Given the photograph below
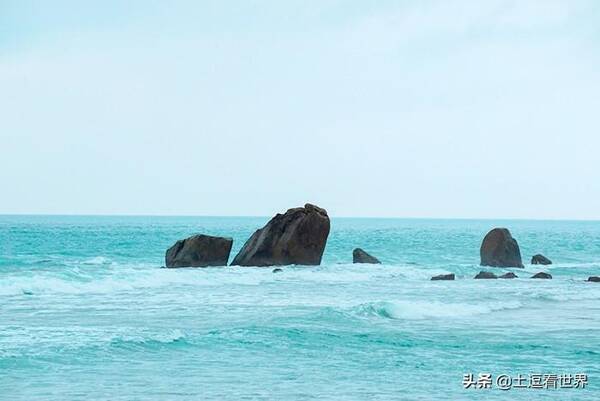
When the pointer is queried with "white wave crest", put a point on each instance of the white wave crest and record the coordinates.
(98, 260)
(127, 280)
(423, 310)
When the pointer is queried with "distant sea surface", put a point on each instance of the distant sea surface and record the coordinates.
(87, 313)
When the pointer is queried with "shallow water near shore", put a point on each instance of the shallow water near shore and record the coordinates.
(87, 313)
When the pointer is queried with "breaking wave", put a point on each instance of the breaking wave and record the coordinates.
(424, 310)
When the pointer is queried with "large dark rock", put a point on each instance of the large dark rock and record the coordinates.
(360, 256)
(542, 275)
(509, 275)
(500, 249)
(443, 277)
(485, 275)
(540, 260)
(296, 237)
(594, 279)
(199, 251)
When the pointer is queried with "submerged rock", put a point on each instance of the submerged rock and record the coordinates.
(296, 237)
(360, 256)
(443, 277)
(540, 260)
(509, 275)
(199, 251)
(542, 275)
(594, 279)
(278, 270)
(500, 249)
(485, 275)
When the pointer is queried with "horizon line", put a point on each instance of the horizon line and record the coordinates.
(266, 216)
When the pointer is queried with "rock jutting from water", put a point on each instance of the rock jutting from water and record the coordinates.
(296, 237)
(443, 277)
(540, 259)
(360, 256)
(500, 249)
(199, 251)
(509, 275)
(278, 270)
(542, 275)
(594, 279)
(485, 275)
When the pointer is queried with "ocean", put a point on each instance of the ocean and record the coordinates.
(87, 313)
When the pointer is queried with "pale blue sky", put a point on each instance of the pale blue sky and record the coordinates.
(391, 108)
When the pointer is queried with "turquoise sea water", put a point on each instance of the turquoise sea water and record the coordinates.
(88, 314)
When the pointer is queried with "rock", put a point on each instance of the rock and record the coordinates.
(443, 277)
(485, 275)
(509, 275)
(500, 249)
(199, 251)
(278, 270)
(540, 260)
(296, 237)
(594, 279)
(542, 275)
(360, 256)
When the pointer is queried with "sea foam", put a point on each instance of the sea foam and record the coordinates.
(424, 309)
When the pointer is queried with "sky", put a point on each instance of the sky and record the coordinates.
(434, 109)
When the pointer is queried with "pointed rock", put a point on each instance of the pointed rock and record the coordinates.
(500, 249)
(199, 251)
(296, 237)
(509, 275)
(360, 256)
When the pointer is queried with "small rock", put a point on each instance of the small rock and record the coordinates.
(540, 260)
(500, 249)
(199, 251)
(278, 270)
(360, 256)
(509, 275)
(443, 277)
(594, 279)
(485, 275)
(542, 275)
